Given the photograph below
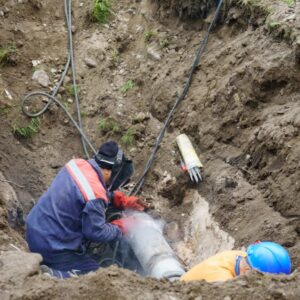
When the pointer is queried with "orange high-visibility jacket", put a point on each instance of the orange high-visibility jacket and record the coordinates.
(219, 267)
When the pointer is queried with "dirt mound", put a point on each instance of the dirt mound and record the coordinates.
(187, 9)
(121, 284)
(241, 113)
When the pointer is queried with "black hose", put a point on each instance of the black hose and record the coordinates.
(70, 39)
(113, 261)
(52, 98)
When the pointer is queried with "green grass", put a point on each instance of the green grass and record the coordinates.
(5, 109)
(164, 43)
(101, 11)
(83, 114)
(251, 2)
(127, 86)
(5, 52)
(259, 4)
(109, 125)
(66, 105)
(280, 30)
(128, 138)
(70, 89)
(289, 2)
(27, 131)
(287, 33)
(148, 35)
(274, 24)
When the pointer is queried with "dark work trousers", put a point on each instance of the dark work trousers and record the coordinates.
(93, 256)
(67, 263)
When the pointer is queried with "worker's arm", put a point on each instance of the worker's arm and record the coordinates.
(121, 201)
(94, 226)
(207, 275)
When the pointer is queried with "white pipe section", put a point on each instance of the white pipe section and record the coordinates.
(152, 250)
(188, 152)
(190, 157)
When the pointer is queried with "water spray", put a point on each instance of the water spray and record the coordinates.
(153, 252)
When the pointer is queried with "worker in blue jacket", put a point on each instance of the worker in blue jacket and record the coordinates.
(71, 213)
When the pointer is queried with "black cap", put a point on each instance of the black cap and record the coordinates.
(107, 154)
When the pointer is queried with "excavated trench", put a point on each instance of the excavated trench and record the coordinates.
(241, 113)
(203, 236)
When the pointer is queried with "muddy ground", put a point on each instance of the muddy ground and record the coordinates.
(242, 114)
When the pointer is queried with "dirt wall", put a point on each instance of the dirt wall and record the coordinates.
(187, 9)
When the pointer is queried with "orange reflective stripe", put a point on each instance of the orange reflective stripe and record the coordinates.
(86, 179)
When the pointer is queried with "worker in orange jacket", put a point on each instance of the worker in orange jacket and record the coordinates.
(266, 257)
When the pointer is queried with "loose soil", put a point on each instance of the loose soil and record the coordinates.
(242, 114)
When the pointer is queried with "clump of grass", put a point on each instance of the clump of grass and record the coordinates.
(128, 138)
(289, 2)
(164, 43)
(148, 35)
(70, 89)
(274, 25)
(127, 86)
(66, 105)
(5, 52)
(280, 31)
(288, 33)
(109, 125)
(101, 11)
(27, 131)
(5, 109)
(251, 2)
(256, 4)
(83, 114)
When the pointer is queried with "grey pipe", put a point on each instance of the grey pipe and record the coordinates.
(152, 250)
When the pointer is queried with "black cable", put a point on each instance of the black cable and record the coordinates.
(70, 39)
(115, 261)
(52, 98)
(181, 97)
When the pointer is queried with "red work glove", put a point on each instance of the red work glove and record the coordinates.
(122, 201)
(125, 223)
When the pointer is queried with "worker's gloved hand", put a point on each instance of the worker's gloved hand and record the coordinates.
(125, 223)
(122, 201)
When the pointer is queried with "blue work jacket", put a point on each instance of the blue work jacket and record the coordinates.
(71, 212)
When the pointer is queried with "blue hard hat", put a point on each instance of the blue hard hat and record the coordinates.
(269, 257)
